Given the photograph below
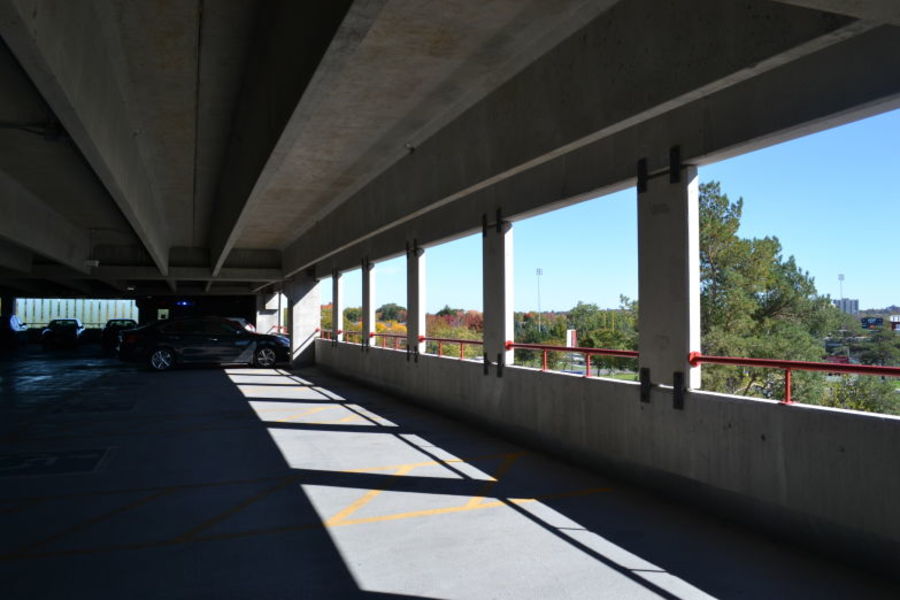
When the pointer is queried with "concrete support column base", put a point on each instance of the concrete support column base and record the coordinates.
(305, 317)
(269, 316)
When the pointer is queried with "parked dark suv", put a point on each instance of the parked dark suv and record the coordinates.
(110, 336)
(62, 333)
(208, 340)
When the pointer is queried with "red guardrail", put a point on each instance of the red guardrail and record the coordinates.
(442, 341)
(696, 359)
(351, 332)
(587, 352)
(396, 337)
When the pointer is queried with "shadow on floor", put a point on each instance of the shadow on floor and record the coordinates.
(121, 483)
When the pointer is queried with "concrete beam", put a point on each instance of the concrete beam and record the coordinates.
(153, 274)
(291, 40)
(882, 11)
(600, 81)
(14, 257)
(840, 84)
(27, 222)
(69, 49)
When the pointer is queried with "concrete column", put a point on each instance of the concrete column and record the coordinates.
(7, 305)
(497, 276)
(305, 317)
(268, 311)
(415, 298)
(368, 301)
(669, 276)
(337, 306)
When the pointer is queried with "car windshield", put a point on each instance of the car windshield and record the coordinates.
(64, 323)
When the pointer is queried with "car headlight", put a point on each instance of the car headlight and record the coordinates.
(283, 340)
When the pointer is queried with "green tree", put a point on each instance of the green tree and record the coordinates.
(391, 312)
(758, 304)
(882, 348)
(448, 312)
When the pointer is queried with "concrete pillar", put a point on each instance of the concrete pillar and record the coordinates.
(415, 298)
(268, 311)
(337, 306)
(305, 313)
(669, 276)
(7, 305)
(497, 276)
(368, 301)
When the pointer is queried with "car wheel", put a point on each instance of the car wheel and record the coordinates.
(265, 357)
(162, 359)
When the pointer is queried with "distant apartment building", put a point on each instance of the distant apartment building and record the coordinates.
(848, 305)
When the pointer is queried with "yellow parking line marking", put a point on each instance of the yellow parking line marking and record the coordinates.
(291, 528)
(504, 468)
(340, 516)
(464, 508)
(433, 463)
(98, 519)
(305, 413)
(191, 533)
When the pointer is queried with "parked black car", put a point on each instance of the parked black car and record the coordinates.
(62, 333)
(110, 335)
(13, 333)
(209, 340)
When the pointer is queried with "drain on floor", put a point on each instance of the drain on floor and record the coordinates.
(51, 463)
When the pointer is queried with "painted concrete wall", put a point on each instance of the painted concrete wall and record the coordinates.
(823, 477)
(37, 312)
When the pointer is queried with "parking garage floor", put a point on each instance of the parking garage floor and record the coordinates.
(244, 483)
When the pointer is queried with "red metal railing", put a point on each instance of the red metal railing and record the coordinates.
(351, 333)
(696, 359)
(442, 341)
(395, 337)
(587, 352)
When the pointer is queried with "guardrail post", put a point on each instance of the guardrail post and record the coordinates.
(497, 276)
(669, 273)
(787, 387)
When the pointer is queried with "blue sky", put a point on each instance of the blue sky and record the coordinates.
(831, 198)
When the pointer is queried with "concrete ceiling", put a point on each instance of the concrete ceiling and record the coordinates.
(219, 145)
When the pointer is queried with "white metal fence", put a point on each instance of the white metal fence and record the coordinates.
(37, 312)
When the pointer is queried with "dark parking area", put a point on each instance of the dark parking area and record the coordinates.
(263, 483)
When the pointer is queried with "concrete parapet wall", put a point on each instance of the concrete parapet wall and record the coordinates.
(826, 478)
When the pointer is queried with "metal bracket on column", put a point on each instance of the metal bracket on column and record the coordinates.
(645, 384)
(675, 164)
(487, 364)
(678, 390)
(499, 364)
(642, 176)
(484, 225)
(499, 221)
(416, 355)
(407, 248)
